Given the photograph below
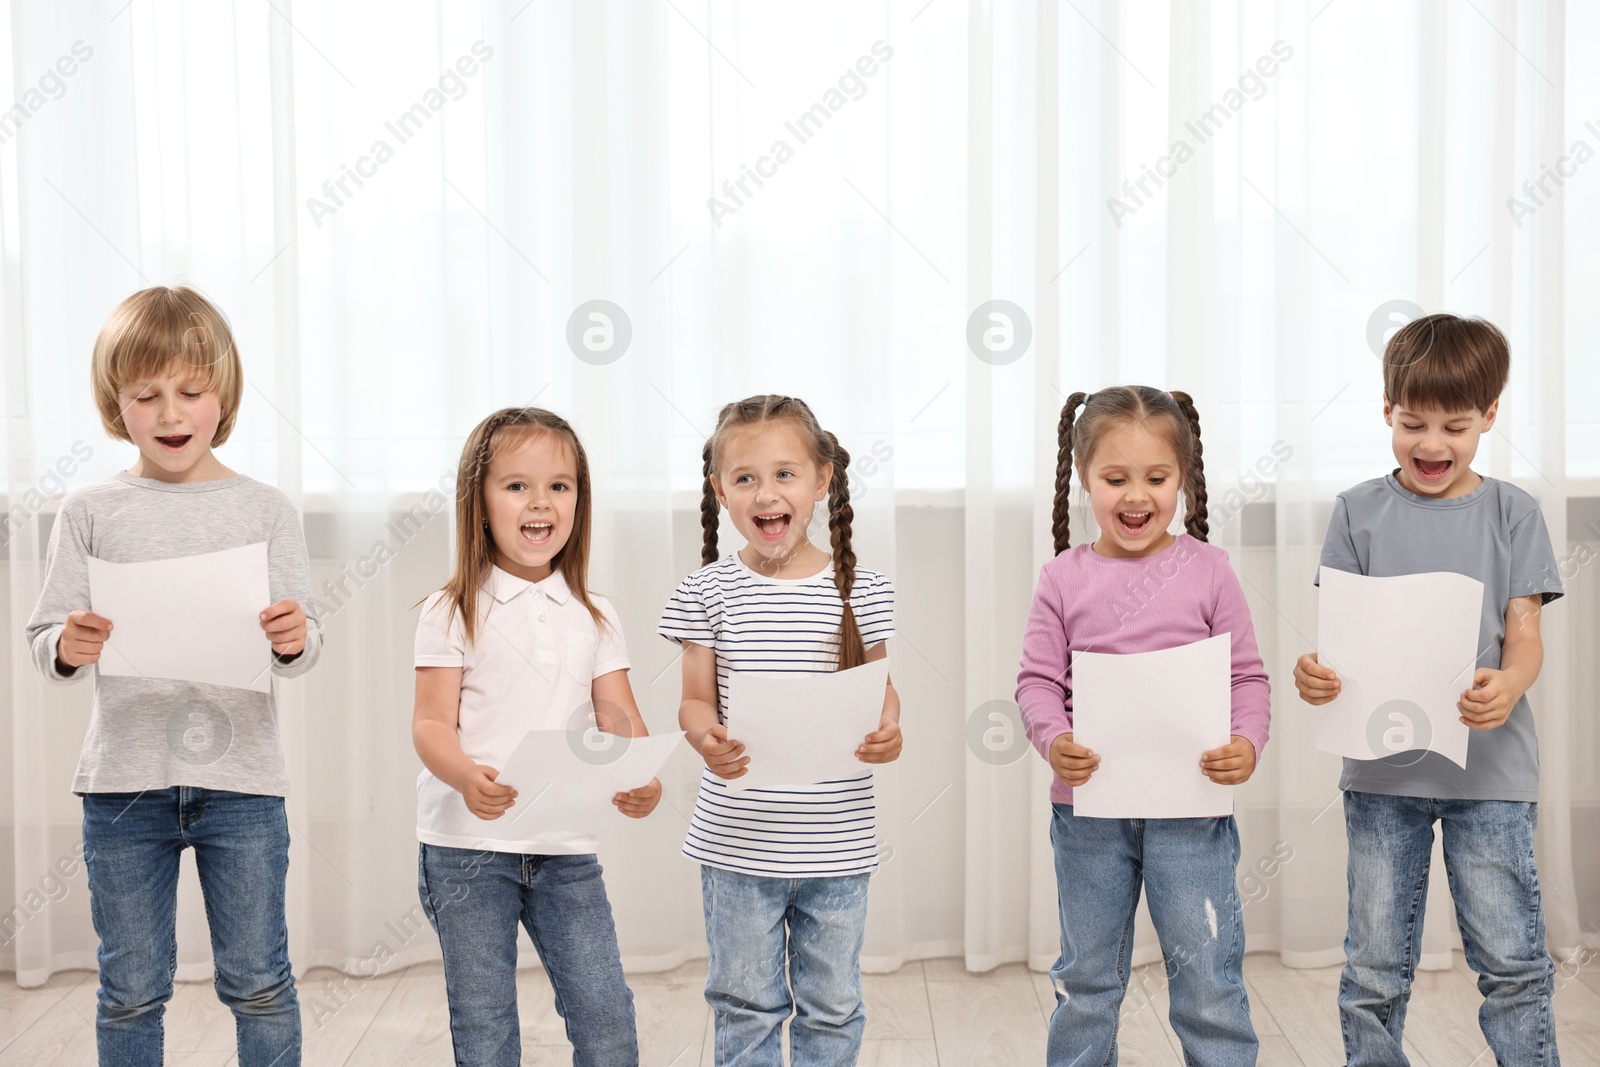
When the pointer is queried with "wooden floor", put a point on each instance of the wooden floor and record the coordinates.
(929, 1014)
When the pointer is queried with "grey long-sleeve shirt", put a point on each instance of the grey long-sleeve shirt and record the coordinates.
(151, 733)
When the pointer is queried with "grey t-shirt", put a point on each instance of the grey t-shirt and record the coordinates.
(1495, 534)
(152, 733)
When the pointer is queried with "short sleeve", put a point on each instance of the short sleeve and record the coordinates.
(611, 652)
(687, 616)
(1533, 560)
(440, 643)
(874, 611)
(1339, 547)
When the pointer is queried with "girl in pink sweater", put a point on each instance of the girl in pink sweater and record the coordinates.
(1138, 588)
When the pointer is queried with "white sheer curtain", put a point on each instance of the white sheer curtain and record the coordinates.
(401, 221)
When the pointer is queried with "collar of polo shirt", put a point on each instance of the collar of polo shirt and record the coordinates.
(503, 585)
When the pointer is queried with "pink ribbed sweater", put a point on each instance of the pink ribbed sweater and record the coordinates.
(1087, 602)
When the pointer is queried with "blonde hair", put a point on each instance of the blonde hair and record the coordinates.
(824, 448)
(474, 542)
(147, 333)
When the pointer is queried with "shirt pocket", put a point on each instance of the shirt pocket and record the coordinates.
(579, 656)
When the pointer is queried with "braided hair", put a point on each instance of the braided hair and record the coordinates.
(825, 449)
(1088, 417)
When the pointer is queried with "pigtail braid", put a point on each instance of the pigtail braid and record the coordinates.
(852, 651)
(708, 512)
(1195, 521)
(1060, 516)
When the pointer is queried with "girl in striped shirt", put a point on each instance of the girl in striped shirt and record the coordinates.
(783, 871)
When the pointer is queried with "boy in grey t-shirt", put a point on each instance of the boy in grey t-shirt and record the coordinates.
(1443, 376)
(170, 764)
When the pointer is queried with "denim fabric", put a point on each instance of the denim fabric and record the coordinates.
(1188, 866)
(475, 901)
(241, 848)
(1488, 858)
(770, 935)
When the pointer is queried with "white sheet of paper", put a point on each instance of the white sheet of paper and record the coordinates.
(194, 618)
(801, 729)
(565, 781)
(1150, 716)
(1404, 647)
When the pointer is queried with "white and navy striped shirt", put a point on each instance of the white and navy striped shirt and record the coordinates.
(767, 625)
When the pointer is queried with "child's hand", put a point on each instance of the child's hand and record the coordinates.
(882, 746)
(1317, 684)
(285, 626)
(1231, 764)
(725, 758)
(637, 803)
(1490, 703)
(82, 639)
(1072, 763)
(486, 798)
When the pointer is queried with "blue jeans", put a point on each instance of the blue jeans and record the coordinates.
(475, 901)
(131, 844)
(1488, 857)
(1188, 866)
(767, 936)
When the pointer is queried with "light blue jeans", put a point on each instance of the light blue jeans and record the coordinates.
(769, 935)
(1188, 866)
(1488, 858)
(475, 901)
(131, 845)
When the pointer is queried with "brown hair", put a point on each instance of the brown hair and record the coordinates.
(150, 330)
(1444, 362)
(824, 448)
(475, 543)
(1116, 406)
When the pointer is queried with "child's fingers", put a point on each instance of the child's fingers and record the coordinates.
(1318, 683)
(731, 750)
(1309, 664)
(283, 626)
(282, 607)
(727, 767)
(882, 741)
(89, 620)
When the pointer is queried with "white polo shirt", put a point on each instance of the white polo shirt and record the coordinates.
(537, 654)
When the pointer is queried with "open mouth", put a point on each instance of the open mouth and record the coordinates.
(773, 527)
(174, 443)
(1432, 471)
(1135, 523)
(537, 533)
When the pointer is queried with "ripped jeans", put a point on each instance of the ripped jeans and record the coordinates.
(1188, 866)
(762, 930)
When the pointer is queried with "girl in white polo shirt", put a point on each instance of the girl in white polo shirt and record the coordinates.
(516, 642)
(783, 871)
